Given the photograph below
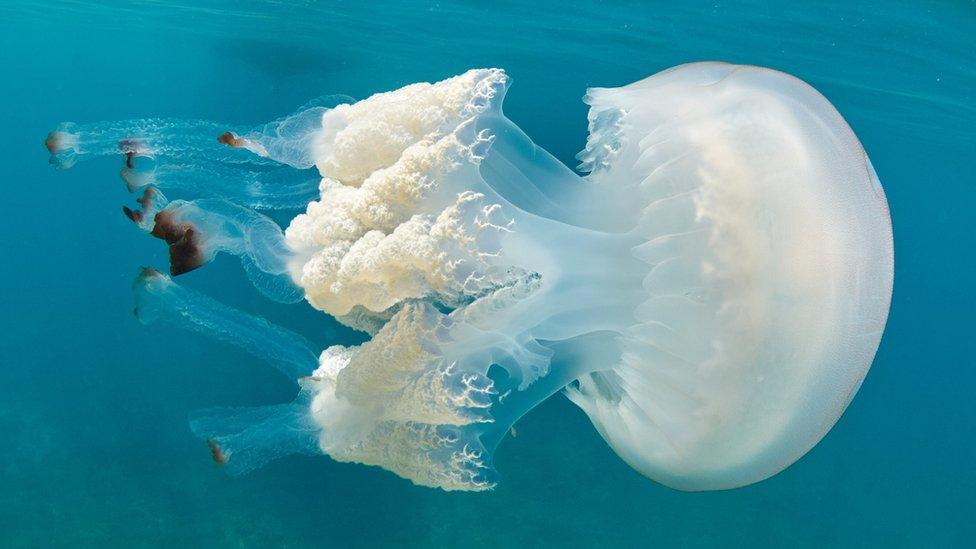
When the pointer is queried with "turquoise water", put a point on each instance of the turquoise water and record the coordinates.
(95, 447)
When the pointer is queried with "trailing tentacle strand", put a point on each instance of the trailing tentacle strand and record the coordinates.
(159, 298)
(196, 231)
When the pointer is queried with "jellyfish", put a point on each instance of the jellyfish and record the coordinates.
(710, 287)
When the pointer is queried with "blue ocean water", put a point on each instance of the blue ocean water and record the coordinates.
(94, 445)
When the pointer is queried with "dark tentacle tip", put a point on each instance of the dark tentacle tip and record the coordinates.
(231, 139)
(150, 201)
(216, 452)
(135, 216)
(185, 251)
(185, 255)
(53, 142)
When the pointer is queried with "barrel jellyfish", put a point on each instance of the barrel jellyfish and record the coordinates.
(711, 292)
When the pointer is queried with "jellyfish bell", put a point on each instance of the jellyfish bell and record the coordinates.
(770, 247)
(711, 293)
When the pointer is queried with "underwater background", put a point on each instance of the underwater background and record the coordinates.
(94, 445)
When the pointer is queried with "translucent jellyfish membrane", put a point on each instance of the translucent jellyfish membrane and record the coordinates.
(711, 294)
(262, 168)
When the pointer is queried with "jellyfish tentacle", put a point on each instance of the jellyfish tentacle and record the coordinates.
(190, 154)
(292, 139)
(159, 298)
(259, 188)
(240, 439)
(159, 138)
(198, 230)
(244, 439)
(151, 202)
(273, 285)
(289, 140)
